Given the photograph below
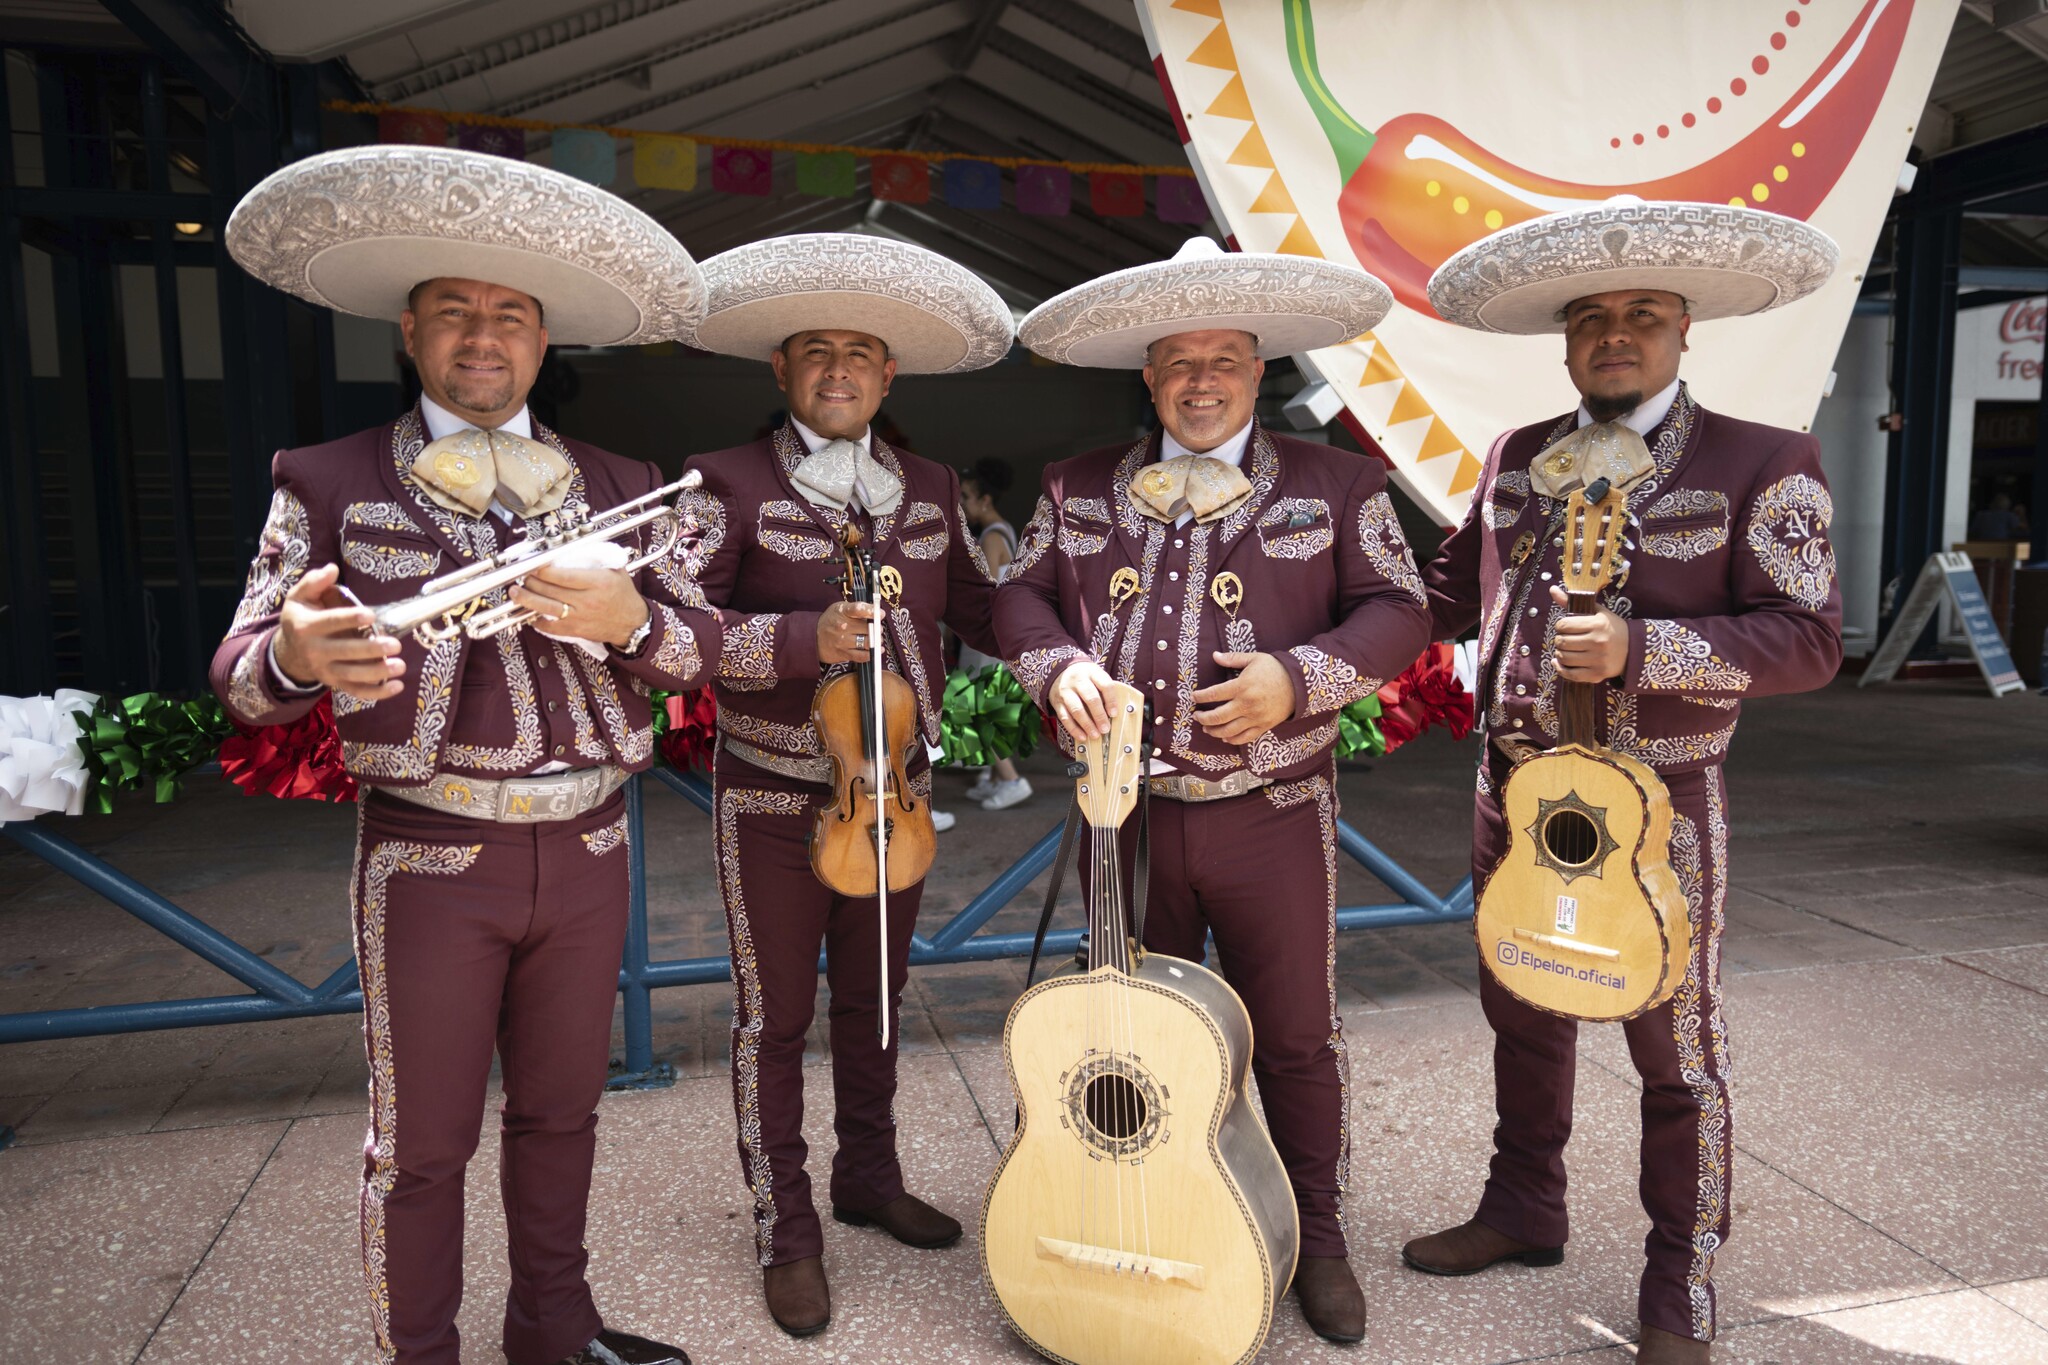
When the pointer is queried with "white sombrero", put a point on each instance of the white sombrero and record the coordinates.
(355, 230)
(935, 315)
(1723, 260)
(1290, 303)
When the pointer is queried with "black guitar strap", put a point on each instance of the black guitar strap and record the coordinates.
(1141, 873)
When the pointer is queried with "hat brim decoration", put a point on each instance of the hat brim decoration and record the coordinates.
(355, 230)
(1290, 303)
(935, 315)
(1724, 261)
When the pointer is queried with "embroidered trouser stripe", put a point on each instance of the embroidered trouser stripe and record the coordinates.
(1681, 1051)
(778, 915)
(474, 938)
(1259, 872)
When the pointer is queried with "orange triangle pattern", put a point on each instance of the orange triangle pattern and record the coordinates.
(1439, 441)
(1299, 241)
(1408, 406)
(1212, 8)
(1215, 50)
(1467, 477)
(1252, 150)
(1380, 369)
(1232, 101)
(1274, 198)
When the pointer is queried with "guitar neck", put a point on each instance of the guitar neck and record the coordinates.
(1109, 921)
(1578, 703)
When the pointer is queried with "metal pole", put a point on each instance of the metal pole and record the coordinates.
(633, 975)
(170, 342)
(31, 663)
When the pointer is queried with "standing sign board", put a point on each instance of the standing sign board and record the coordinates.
(1947, 572)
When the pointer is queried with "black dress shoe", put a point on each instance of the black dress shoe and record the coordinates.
(908, 1219)
(798, 1298)
(623, 1348)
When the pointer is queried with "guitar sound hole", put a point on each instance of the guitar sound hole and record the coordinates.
(1115, 1107)
(1571, 838)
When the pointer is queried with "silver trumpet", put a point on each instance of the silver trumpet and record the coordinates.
(454, 602)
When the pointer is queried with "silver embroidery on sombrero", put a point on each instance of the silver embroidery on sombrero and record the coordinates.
(748, 1015)
(369, 891)
(272, 575)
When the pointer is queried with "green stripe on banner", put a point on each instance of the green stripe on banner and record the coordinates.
(831, 175)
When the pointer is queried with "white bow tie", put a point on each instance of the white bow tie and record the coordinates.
(844, 474)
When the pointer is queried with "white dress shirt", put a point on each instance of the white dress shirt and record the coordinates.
(1643, 418)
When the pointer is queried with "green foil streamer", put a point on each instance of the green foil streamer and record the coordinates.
(149, 741)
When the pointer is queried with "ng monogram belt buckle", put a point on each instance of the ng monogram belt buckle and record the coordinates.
(534, 800)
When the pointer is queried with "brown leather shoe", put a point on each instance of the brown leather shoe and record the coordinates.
(798, 1298)
(1470, 1248)
(1331, 1299)
(1659, 1347)
(623, 1348)
(908, 1219)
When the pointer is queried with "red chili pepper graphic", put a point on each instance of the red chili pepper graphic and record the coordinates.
(1418, 190)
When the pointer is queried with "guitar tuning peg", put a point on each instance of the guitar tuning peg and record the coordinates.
(1077, 769)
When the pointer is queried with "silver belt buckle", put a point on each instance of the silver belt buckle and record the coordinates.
(533, 800)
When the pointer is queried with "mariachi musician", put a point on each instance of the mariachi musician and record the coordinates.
(1730, 594)
(490, 884)
(837, 317)
(1252, 585)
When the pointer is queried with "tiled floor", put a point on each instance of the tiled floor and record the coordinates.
(188, 1196)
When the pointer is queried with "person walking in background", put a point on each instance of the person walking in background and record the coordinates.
(999, 787)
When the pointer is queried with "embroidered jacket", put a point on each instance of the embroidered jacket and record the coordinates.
(1328, 586)
(499, 707)
(766, 561)
(1731, 589)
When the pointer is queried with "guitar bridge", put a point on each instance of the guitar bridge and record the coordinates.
(1569, 945)
(1110, 1261)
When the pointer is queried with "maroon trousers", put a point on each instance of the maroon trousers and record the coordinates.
(1259, 872)
(473, 936)
(778, 914)
(1681, 1051)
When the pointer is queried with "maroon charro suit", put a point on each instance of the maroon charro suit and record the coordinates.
(1731, 594)
(1330, 590)
(766, 560)
(472, 934)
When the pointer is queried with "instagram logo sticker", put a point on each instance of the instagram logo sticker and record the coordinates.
(1505, 951)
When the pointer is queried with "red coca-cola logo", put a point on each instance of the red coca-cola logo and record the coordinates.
(2026, 320)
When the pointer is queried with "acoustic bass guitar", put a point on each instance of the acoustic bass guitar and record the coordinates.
(1582, 915)
(1140, 1215)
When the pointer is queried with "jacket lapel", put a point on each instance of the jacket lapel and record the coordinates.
(1262, 468)
(464, 538)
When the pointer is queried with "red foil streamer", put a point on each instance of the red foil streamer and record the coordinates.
(298, 762)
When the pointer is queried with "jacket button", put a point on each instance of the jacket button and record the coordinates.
(1160, 645)
(553, 707)
(563, 749)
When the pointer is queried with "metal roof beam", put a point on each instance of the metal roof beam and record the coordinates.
(1144, 143)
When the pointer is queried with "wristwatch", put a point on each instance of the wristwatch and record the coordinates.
(637, 641)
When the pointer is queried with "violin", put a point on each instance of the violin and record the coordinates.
(866, 720)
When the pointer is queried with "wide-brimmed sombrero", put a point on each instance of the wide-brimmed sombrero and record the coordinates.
(935, 315)
(355, 230)
(1290, 303)
(1723, 260)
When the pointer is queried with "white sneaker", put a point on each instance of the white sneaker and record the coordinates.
(942, 820)
(1008, 794)
(984, 786)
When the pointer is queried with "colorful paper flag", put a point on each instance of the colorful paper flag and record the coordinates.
(1178, 199)
(972, 184)
(742, 170)
(901, 179)
(478, 137)
(830, 175)
(426, 130)
(586, 154)
(661, 162)
(1044, 190)
(1116, 194)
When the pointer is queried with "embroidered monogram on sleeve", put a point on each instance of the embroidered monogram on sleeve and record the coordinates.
(1788, 533)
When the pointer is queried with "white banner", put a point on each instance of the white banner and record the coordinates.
(1396, 133)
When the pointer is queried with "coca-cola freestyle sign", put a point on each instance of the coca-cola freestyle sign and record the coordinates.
(2024, 323)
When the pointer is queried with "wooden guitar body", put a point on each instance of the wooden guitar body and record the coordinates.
(1583, 915)
(1141, 1213)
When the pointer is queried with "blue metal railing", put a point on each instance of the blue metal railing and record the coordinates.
(279, 995)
